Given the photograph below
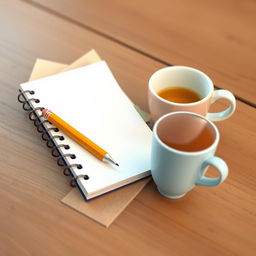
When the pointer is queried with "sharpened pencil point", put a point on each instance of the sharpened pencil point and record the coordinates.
(110, 159)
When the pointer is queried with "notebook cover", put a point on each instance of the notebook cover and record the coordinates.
(86, 98)
(103, 210)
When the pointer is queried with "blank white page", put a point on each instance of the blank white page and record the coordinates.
(90, 99)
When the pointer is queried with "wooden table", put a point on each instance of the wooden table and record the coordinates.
(136, 38)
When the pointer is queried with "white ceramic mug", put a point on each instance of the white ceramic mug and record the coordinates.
(193, 79)
(176, 171)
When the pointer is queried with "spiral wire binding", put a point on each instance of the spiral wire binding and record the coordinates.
(39, 122)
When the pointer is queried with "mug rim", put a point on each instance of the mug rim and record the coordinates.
(179, 68)
(213, 145)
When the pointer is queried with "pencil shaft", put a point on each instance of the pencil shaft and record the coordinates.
(77, 136)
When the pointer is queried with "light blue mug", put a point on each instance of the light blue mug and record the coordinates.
(183, 146)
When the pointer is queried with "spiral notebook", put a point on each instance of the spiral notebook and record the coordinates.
(90, 99)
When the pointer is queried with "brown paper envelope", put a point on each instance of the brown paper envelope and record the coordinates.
(104, 209)
(89, 58)
(43, 68)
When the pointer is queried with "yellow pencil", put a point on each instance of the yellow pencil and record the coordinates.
(77, 136)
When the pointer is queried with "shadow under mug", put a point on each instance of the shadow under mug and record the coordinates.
(183, 146)
(193, 79)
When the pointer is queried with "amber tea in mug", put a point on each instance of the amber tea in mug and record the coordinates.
(180, 88)
(179, 95)
(204, 138)
(176, 172)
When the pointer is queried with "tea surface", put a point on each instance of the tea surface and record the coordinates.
(179, 95)
(202, 141)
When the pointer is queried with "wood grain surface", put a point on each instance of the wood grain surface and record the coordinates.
(217, 37)
(208, 221)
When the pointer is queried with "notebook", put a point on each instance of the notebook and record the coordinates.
(105, 209)
(90, 99)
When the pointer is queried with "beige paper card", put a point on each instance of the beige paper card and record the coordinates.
(43, 68)
(104, 209)
(89, 58)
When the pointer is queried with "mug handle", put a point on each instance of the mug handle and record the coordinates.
(221, 167)
(222, 94)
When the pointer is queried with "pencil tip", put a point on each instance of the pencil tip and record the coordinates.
(110, 159)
